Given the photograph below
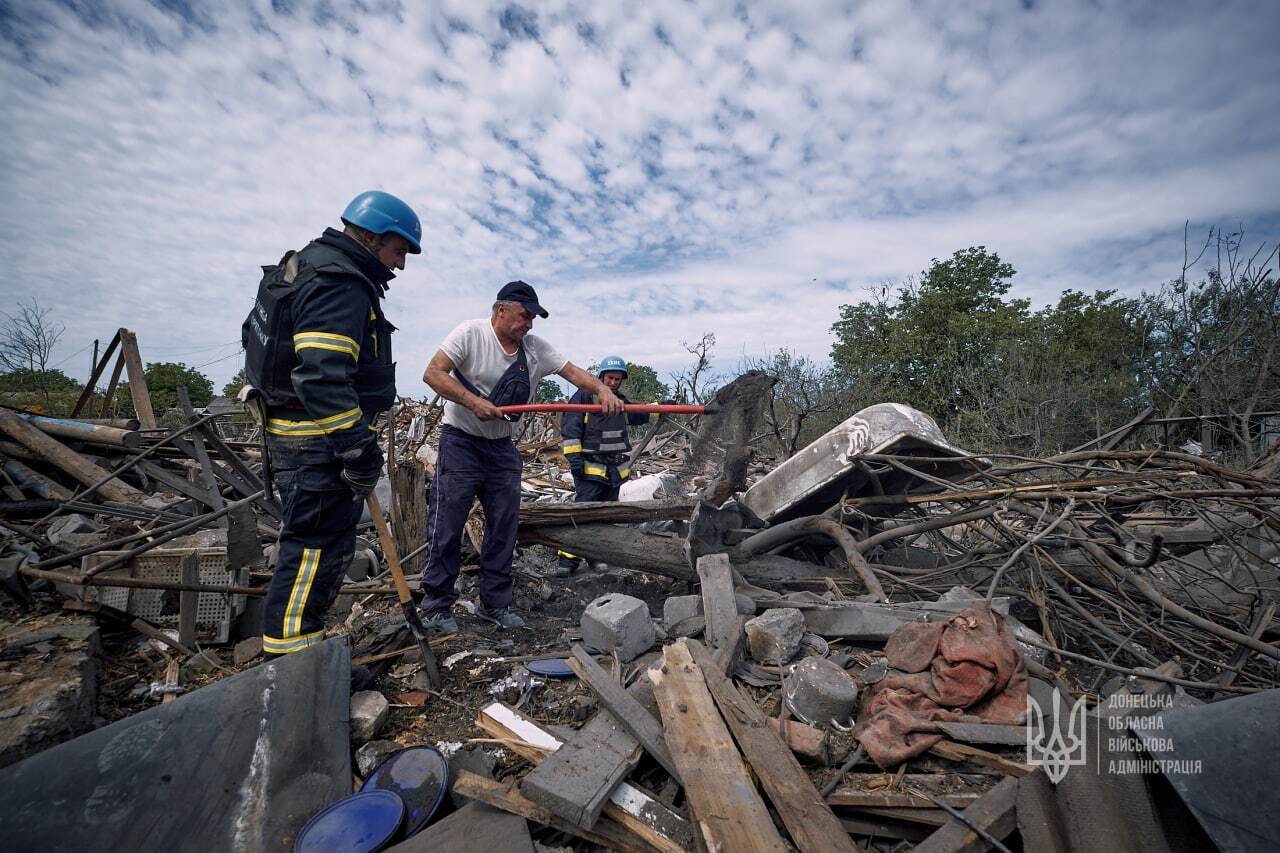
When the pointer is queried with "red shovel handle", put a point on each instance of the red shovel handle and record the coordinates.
(595, 408)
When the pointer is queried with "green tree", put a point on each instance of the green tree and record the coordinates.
(24, 379)
(163, 380)
(549, 391)
(941, 338)
(232, 388)
(643, 386)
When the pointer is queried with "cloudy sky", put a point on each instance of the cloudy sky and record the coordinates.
(657, 170)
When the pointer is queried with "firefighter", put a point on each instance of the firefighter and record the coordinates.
(318, 356)
(597, 447)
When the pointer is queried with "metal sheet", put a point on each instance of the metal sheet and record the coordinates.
(817, 476)
(238, 765)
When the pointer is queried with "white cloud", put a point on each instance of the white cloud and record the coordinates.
(656, 170)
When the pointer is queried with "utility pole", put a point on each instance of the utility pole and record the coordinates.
(93, 365)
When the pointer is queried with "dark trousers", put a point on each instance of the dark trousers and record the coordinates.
(588, 489)
(468, 467)
(317, 541)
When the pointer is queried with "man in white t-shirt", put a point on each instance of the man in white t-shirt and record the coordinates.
(481, 365)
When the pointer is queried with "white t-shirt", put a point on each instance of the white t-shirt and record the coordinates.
(474, 348)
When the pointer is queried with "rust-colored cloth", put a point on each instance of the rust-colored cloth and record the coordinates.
(967, 669)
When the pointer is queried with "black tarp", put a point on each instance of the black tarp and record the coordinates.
(237, 765)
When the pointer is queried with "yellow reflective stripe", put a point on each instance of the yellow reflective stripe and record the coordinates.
(566, 554)
(273, 646)
(301, 589)
(595, 470)
(624, 473)
(326, 340)
(333, 423)
(572, 448)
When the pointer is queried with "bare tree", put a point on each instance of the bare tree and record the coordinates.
(806, 398)
(696, 384)
(27, 341)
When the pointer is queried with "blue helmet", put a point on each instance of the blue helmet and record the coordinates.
(612, 362)
(379, 212)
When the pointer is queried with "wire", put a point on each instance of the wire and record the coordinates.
(216, 360)
(73, 355)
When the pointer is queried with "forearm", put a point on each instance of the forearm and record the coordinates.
(447, 386)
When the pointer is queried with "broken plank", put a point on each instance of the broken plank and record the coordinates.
(137, 379)
(927, 817)
(878, 829)
(634, 809)
(847, 797)
(719, 606)
(575, 782)
(629, 713)
(726, 808)
(810, 821)
(994, 813)
(55, 452)
(953, 751)
(505, 796)
(985, 733)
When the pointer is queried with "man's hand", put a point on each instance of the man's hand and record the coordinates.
(612, 405)
(361, 469)
(483, 409)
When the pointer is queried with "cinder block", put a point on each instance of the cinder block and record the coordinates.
(620, 623)
(774, 636)
(818, 691)
(678, 608)
(369, 710)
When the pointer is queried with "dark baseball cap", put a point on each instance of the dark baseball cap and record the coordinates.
(522, 292)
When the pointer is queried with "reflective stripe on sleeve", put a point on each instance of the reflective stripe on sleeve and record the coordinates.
(326, 341)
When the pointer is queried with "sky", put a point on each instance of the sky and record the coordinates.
(656, 170)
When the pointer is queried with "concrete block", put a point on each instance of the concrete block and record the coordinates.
(246, 650)
(368, 714)
(618, 623)
(818, 691)
(774, 636)
(678, 608)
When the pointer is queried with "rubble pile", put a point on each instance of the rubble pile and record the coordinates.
(882, 642)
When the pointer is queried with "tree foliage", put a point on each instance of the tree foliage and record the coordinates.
(163, 380)
(549, 391)
(643, 386)
(232, 388)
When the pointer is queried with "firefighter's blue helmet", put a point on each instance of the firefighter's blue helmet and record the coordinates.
(612, 362)
(380, 212)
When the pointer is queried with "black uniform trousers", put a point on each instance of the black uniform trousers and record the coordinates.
(588, 489)
(317, 541)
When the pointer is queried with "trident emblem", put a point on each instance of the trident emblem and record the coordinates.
(1052, 750)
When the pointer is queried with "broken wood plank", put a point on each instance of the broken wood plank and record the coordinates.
(576, 781)
(188, 601)
(726, 808)
(926, 817)
(719, 606)
(632, 808)
(881, 829)
(629, 713)
(57, 453)
(202, 456)
(137, 379)
(505, 796)
(994, 813)
(953, 751)
(627, 512)
(810, 821)
(96, 374)
(985, 733)
(848, 797)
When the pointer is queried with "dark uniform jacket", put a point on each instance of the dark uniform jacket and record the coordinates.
(331, 369)
(598, 442)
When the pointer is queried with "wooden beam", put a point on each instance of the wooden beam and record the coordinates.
(627, 512)
(953, 751)
(110, 394)
(726, 808)
(576, 781)
(137, 379)
(629, 713)
(55, 452)
(994, 813)
(94, 376)
(848, 797)
(632, 808)
(810, 821)
(505, 796)
(719, 606)
(985, 733)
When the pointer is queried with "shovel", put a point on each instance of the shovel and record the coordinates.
(411, 616)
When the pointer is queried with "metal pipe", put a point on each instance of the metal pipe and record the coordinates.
(83, 431)
(65, 458)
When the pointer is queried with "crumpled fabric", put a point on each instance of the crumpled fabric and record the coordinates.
(967, 669)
